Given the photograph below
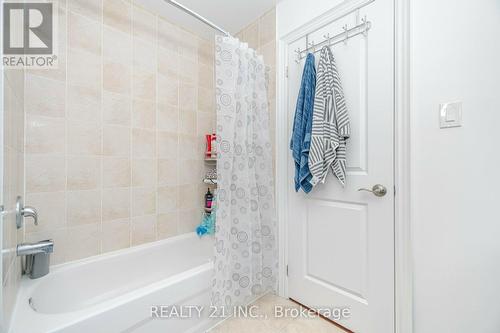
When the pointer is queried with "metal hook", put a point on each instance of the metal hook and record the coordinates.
(298, 51)
(346, 33)
(365, 22)
(327, 39)
(313, 46)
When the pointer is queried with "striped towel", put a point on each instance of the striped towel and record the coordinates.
(331, 126)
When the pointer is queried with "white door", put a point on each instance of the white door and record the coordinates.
(341, 240)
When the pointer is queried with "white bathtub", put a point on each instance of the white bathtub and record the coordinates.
(114, 292)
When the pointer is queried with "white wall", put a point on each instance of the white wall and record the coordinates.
(455, 56)
(456, 186)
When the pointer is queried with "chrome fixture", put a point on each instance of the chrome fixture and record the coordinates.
(197, 16)
(378, 190)
(24, 211)
(37, 255)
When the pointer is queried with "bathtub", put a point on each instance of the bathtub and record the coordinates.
(114, 292)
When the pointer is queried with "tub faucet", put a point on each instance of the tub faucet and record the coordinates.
(37, 257)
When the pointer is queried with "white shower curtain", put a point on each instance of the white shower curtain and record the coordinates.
(245, 240)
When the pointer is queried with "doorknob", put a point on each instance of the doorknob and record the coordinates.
(378, 190)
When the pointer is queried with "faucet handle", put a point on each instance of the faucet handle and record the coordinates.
(24, 211)
(29, 211)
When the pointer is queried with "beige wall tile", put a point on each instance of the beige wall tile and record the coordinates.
(117, 45)
(168, 62)
(83, 137)
(143, 229)
(115, 204)
(205, 52)
(188, 70)
(83, 207)
(143, 24)
(84, 173)
(83, 241)
(267, 27)
(187, 96)
(206, 76)
(168, 90)
(116, 109)
(116, 77)
(251, 35)
(167, 225)
(168, 199)
(144, 84)
(44, 134)
(45, 97)
(188, 220)
(115, 172)
(116, 140)
(51, 207)
(188, 195)
(188, 45)
(168, 35)
(168, 172)
(144, 172)
(143, 201)
(168, 118)
(144, 55)
(190, 145)
(117, 14)
(187, 121)
(167, 145)
(84, 68)
(268, 51)
(144, 113)
(115, 235)
(205, 123)
(206, 100)
(89, 8)
(45, 173)
(84, 33)
(190, 172)
(143, 143)
(84, 103)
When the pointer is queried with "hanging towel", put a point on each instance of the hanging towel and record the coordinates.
(302, 126)
(331, 126)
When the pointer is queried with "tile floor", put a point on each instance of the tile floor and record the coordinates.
(270, 324)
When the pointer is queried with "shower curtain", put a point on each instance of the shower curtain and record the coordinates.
(245, 239)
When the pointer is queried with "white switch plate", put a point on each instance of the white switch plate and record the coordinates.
(450, 114)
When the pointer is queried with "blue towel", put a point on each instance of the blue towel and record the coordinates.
(302, 127)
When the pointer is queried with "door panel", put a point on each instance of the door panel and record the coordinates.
(341, 240)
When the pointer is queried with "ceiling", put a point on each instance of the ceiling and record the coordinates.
(231, 15)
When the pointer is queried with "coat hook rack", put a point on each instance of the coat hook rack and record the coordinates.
(329, 40)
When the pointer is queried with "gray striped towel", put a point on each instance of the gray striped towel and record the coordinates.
(330, 124)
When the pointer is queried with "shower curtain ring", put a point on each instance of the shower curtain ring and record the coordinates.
(346, 33)
(365, 22)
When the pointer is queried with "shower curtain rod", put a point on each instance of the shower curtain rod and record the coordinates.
(197, 16)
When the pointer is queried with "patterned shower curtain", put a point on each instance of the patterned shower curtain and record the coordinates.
(246, 258)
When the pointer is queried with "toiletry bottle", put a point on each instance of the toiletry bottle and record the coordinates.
(208, 200)
(208, 149)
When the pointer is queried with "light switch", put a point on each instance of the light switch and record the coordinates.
(450, 114)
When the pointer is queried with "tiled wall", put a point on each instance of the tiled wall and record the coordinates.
(114, 137)
(261, 35)
(13, 182)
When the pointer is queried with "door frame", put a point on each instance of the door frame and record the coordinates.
(403, 254)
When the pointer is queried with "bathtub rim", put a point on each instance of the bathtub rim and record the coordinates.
(60, 320)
